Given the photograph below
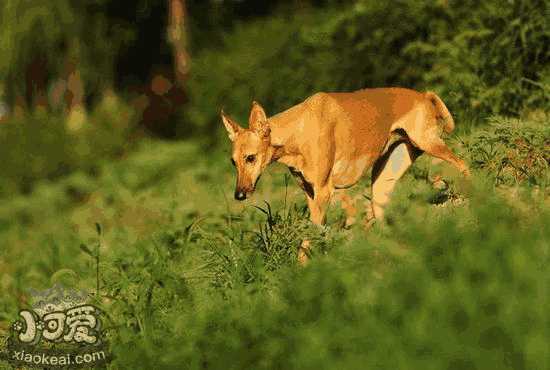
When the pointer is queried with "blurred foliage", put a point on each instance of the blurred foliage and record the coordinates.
(54, 35)
(492, 58)
(38, 146)
(483, 58)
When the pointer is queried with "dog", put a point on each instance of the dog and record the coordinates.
(331, 139)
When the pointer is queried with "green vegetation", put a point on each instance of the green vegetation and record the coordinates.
(456, 278)
(189, 276)
(40, 146)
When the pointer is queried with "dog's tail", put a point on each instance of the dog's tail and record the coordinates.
(441, 111)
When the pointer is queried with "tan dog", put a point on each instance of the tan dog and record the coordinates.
(331, 139)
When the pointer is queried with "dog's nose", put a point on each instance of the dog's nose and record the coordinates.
(240, 195)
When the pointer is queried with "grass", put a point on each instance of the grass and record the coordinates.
(188, 278)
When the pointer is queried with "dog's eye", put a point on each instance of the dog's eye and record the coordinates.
(250, 158)
(233, 162)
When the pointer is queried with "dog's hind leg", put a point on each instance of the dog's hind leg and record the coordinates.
(436, 147)
(347, 204)
(424, 133)
(387, 170)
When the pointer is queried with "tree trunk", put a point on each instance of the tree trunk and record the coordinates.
(74, 93)
(36, 76)
(177, 37)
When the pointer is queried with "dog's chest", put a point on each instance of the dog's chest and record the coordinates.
(295, 163)
(302, 181)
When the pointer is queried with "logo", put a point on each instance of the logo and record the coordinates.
(60, 330)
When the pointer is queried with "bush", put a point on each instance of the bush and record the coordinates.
(512, 151)
(488, 57)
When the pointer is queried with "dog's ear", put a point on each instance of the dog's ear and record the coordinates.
(258, 120)
(231, 126)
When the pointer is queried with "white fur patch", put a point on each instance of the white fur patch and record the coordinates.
(399, 158)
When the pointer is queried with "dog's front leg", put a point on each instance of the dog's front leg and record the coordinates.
(317, 210)
(318, 207)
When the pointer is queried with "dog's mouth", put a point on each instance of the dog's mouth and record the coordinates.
(242, 194)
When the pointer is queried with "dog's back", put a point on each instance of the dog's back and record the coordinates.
(361, 123)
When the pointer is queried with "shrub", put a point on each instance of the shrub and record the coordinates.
(512, 151)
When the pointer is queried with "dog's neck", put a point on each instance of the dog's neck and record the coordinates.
(283, 146)
(275, 153)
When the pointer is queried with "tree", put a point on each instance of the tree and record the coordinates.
(54, 53)
(30, 35)
(177, 37)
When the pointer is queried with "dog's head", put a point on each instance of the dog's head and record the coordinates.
(250, 153)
